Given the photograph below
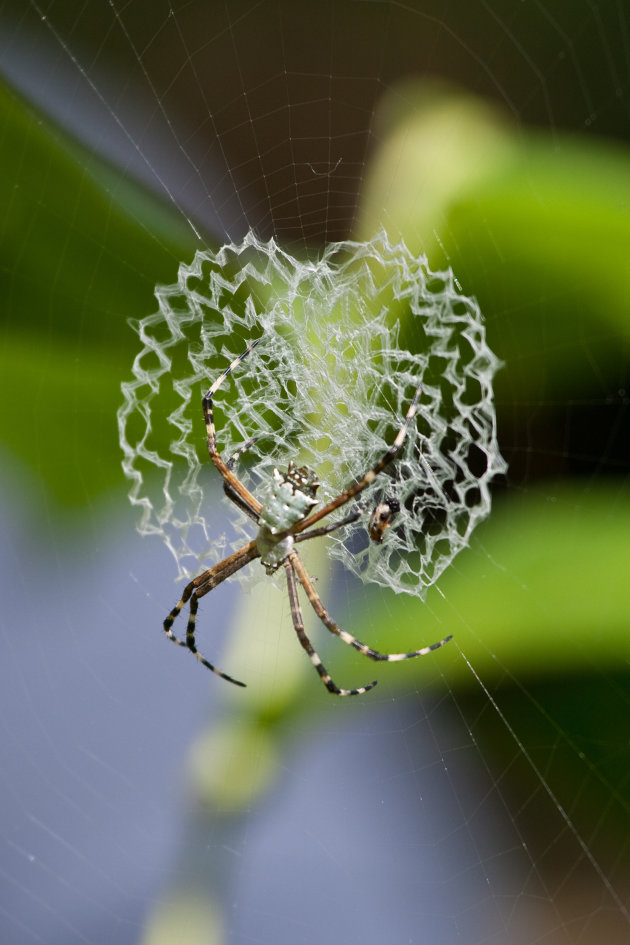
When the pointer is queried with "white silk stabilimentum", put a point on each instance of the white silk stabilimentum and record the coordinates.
(346, 340)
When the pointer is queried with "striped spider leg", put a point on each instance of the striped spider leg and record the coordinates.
(285, 520)
(298, 568)
(197, 588)
(206, 582)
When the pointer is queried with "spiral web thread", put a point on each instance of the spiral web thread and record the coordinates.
(328, 387)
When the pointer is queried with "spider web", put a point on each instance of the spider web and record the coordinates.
(487, 800)
(324, 389)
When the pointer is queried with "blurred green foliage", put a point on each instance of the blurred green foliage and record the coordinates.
(535, 226)
(82, 249)
(543, 584)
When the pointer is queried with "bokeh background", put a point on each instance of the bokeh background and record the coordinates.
(479, 797)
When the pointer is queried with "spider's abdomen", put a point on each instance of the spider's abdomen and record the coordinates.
(290, 499)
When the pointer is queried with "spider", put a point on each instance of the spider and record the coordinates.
(286, 519)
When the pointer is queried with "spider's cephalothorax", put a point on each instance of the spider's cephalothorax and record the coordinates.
(286, 519)
(291, 498)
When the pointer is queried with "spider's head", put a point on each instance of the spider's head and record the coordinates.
(302, 479)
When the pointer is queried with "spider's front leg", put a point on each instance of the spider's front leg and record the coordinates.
(197, 588)
(227, 488)
(234, 488)
(352, 516)
(368, 478)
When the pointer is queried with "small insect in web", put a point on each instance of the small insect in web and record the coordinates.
(382, 517)
(286, 519)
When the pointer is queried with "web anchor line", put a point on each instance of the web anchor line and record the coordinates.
(554, 799)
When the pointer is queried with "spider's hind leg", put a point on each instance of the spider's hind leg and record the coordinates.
(192, 646)
(190, 593)
(298, 623)
(317, 605)
(199, 587)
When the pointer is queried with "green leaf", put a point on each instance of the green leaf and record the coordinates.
(536, 227)
(81, 249)
(543, 589)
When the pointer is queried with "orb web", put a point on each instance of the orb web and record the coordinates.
(345, 341)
